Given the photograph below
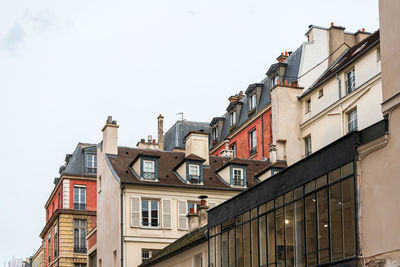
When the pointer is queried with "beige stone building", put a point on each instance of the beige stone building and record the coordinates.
(37, 258)
(144, 194)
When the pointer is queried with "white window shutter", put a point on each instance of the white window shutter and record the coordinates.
(166, 213)
(182, 219)
(135, 211)
(212, 204)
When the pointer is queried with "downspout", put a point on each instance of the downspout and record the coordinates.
(122, 225)
(339, 85)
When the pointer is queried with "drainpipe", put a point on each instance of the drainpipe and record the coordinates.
(262, 137)
(339, 86)
(122, 225)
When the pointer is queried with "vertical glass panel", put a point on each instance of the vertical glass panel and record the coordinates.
(271, 238)
(154, 213)
(145, 213)
(347, 169)
(280, 237)
(239, 246)
(348, 218)
(279, 201)
(311, 230)
(212, 251)
(334, 175)
(254, 213)
(309, 187)
(254, 242)
(323, 234)
(232, 247)
(270, 205)
(218, 229)
(262, 208)
(320, 182)
(288, 197)
(239, 219)
(336, 222)
(225, 251)
(262, 226)
(299, 233)
(246, 216)
(246, 244)
(298, 192)
(289, 235)
(218, 251)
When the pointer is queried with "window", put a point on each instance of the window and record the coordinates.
(253, 142)
(307, 145)
(233, 148)
(320, 93)
(148, 169)
(194, 172)
(79, 198)
(238, 177)
(79, 265)
(378, 54)
(49, 247)
(252, 102)
(55, 240)
(194, 205)
(352, 120)
(79, 236)
(91, 163)
(350, 83)
(232, 117)
(308, 105)
(214, 134)
(150, 213)
(274, 81)
(148, 253)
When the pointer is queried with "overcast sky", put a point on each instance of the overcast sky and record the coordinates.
(66, 65)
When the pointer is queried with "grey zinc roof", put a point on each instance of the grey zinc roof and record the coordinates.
(292, 70)
(173, 138)
(76, 164)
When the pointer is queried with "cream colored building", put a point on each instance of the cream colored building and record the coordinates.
(144, 194)
(37, 258)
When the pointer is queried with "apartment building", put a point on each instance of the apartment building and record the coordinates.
(37, 258)
(71, 210)
(144, 194)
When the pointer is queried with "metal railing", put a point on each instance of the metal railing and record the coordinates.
(253, 151)
(350, 85)
(79, 250)
(79, 206)
(149, 175)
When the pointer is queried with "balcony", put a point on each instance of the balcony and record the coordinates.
(239, 182)
(80, 250)
(253, 151)
(149, 175)
(79, 206)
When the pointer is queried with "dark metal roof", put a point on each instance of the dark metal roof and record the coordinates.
(76, 163)
(174, 137)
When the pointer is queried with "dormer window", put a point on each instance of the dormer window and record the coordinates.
(214, 134)
(91, 163)
(238, 177)
(149, 169)
(273, 81)
(194, 172)
(232, 118)
(252, 102)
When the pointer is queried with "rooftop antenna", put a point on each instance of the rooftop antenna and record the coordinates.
(181, 113)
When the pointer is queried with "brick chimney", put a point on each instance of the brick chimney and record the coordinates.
(282, 57)
(236, 98)
(203, 217)
(110, 137)
(160, 127)
(197, 144)
(361, 35)
(193, 220)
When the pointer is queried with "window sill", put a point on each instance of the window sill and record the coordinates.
(150, 228)
(148, 180)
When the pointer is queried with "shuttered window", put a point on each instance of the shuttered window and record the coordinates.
(135, 211)
(166, 213)
(182, 219)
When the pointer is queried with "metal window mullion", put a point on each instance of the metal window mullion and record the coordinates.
(305, 227)
(317, 224)
(341, 217)
(329, 223)
(284, 234)
(276, 250)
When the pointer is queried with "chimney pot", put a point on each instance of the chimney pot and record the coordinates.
(332, 24)
(142, 140)
(363, 29)
(149, 138)
(286, 53)
(109, 119)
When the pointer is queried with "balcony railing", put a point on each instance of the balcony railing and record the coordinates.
(149, 175)
(91, 170)
(79, 250)
(239, 182)
(79, 206)
(194, 178)
(350, 85)
(253, 151)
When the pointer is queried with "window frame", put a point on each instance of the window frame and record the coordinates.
(233, 147)
(253, 141)
(92, 159)
(353, 120)
(308, 106)
(78, 203)
(252, 101)
(189, 177)
(155, 167)
(350, 81)
(242, 180)
(79, 244)
(307, 146)
(149, 218)
(232, 118)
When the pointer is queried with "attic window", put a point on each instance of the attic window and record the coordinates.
(273, 81)
(149, 169)
(194, 172)
(232, 118)
(252, 102)
(91, 163)
(214, 134)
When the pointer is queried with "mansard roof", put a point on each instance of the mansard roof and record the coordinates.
(166, 164)
(75, 164)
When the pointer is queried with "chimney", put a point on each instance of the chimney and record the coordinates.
(193, 220)
(160, 120)
(361, 35)
(282, 57)
(226, 152)
(197, 144)
(203, 218)
(336, 41)
(110, 137)
(236, 98)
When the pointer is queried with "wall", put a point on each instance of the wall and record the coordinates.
(186, 259)
(56, 201)
(138, 238)
(91, 193)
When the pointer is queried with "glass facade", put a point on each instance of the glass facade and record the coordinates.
(311, 225)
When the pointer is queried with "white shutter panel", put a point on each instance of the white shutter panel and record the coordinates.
(212, 204)
(182, 219)
(135, 211)
(166, 213)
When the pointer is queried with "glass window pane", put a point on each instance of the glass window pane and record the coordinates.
(239, 246)
(348, 218)
(320, 182)
(288, 197)
(347, 169)
(280, 237)
(262, 224)
(309, 187)
(232, 247)
(254, 213)
(246, 216)
(311, 230)
(336, 222)
(323, 238)
(289, 235)
(254, 242)
(279, 201)
(298, 192)
(246, 244)
(262, 208)
(225, 251)
(218, 251)
(212, 251)
(271, 237)
(239, 219)
(334, 175)
(270, 205)
(299, 233)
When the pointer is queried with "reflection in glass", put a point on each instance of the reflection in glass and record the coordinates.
(271, 238)
(262, 224)
(212, 251)
(323, 234)
(246, 244)
(218, 251)
(289, 233)
(231, 247)
(299, 233)
(254, 242)
(239, 246)
(280, 241)
(311, 230)
(336, 221)
(225, 249)
(348, 218)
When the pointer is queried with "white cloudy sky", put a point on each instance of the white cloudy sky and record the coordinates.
(66, 65)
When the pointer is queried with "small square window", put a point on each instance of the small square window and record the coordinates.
(149, 169)
(320, 93)
(194, 172)
(237, 178)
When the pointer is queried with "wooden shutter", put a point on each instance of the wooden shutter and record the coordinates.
(135, 211)
(166, 213)
(212, 204)
(182, 210)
